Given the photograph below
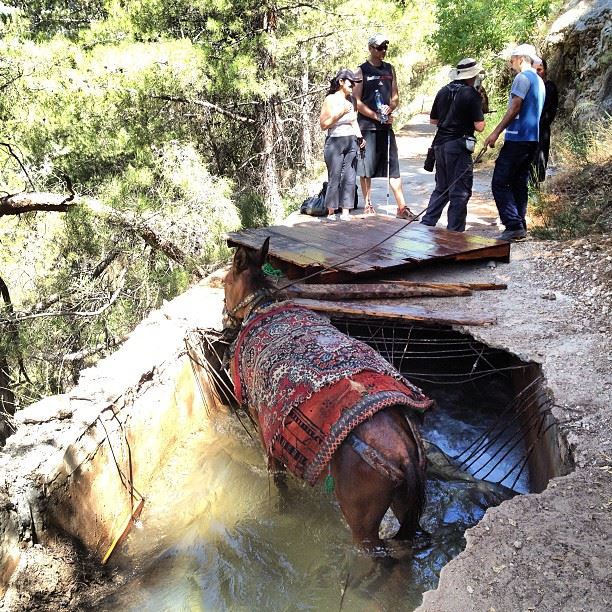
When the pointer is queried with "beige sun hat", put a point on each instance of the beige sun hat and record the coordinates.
(466, 69)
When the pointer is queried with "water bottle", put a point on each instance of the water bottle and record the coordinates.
(378, 100)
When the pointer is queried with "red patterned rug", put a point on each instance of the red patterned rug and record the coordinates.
(311, 385)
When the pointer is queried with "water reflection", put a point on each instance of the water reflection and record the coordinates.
(214, 537)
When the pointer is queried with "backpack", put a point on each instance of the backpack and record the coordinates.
(315, 205)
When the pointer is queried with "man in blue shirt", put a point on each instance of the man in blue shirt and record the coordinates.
(521, 122)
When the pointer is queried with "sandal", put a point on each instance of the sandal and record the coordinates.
(406, 214)
(369, 209)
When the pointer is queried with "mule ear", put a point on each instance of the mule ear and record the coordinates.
(263, 252)
(241, 260)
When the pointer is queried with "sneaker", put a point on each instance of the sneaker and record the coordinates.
(513, 235)
(405, 213)
(345, 216)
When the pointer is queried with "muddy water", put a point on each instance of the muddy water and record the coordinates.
(214, 535)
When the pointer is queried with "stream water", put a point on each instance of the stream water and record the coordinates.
(214, 537)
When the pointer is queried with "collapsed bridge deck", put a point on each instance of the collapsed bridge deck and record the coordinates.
(365, 246)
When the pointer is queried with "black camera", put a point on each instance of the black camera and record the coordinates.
(430, 160)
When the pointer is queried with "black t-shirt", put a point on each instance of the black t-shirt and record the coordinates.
(375, 77)
(456, 116)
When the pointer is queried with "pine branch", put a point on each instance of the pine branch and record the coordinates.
(205, 104)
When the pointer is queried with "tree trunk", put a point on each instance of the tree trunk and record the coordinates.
(305, 114)
(7, 397)
(269, 123)
(269, 174)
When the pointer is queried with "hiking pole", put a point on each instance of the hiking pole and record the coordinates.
(480, 155)
(388, 163)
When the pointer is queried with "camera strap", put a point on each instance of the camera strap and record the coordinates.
(452, 93)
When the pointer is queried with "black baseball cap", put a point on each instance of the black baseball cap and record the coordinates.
(347, 75)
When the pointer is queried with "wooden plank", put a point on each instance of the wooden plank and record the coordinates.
(280, 247)
(338, 249)
(473, 286)
(376, 291)
(395, 248)
(397, 240)
(487, 286)
(443, 239)
(395, 312)
(417, 241)
(307, 251)
(376, 252)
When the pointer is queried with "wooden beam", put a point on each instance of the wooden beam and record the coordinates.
(374, 291)
(395, 312)
(472, 286)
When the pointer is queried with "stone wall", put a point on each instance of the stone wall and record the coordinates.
(70, 467)
(579, 53)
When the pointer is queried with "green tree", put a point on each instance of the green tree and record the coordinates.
(483, 27)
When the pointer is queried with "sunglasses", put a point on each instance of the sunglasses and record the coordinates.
(382, 47)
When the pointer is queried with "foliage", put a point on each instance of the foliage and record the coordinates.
(577, 202)
(482, 27)
(48, 17)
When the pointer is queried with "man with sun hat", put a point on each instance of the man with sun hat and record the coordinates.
(521, 122)
(457, 111)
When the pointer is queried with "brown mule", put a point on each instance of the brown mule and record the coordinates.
(381, 462)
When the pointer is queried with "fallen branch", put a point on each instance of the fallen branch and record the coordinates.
(26, 202)
(33, 201)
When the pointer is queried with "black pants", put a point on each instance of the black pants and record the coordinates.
(538, 172)
(510, 182)
(454, 177)
(341, 160)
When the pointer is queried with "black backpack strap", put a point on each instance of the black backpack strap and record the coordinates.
(453, 92)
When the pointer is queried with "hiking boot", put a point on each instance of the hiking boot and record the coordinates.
(513, 235)
(405, 213)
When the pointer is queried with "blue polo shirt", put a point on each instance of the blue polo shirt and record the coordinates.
(525, 127)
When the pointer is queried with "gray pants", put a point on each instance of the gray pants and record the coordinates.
(340, 155)
(454, 177)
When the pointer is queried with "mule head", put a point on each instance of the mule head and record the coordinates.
(244, 277)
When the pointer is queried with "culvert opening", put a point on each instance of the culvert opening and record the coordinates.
(493, 414)
(222, 540)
